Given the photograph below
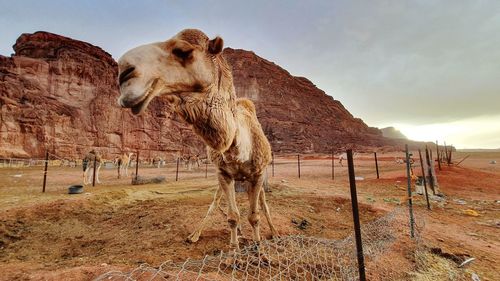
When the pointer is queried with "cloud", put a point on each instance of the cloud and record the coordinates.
(411, 62)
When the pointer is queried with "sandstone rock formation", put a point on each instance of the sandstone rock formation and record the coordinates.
(295, 114)
(393, 133)
(60, 94)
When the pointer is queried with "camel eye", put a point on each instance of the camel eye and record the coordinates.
(181, 53)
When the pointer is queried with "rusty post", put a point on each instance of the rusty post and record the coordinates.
(137, 166)
(333, 165)
(376, 164)
(429, 169)
(206, 169)
(177, 170)
(410, 203)
(272, 154)
(355, 214)
(45, 170)
(298, 164)
(93, 170)
(445, 152)
(449, 156)
(425, 181)
(438, 157)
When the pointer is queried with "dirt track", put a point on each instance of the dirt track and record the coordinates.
(118, 226)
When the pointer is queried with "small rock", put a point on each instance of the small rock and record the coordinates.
(475, 277)
(338, 209)
(440, 239)
(104, 264)
(459, 201)
(470, 212)
(283, 181)
(493, 161)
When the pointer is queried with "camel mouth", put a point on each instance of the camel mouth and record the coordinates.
(143, 103)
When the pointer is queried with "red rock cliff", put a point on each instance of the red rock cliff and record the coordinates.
(60, 94)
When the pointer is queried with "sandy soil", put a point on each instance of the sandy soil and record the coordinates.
(55, 236)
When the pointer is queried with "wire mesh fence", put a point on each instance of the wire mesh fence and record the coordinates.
(286, 258)
(65, 172)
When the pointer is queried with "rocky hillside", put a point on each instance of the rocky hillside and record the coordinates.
(295, 114)
(60, 94)
(393, 133)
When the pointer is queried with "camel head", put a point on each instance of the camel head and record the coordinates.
(183, 66)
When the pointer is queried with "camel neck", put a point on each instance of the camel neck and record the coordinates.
(212, 117)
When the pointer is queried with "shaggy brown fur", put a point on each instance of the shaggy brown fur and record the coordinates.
(190, 71)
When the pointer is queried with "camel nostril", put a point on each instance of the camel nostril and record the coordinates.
(126, 75)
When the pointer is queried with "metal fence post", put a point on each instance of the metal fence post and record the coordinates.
(438, 156)
(93, 170)
(333, 165)
(177, 170)
(376, 164)
(425, 181)
(298, 164)
(137, 166)
(410, 203)
(45, 170)
(355, 214)
(272, 154)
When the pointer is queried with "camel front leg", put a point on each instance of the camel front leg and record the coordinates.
(195, 236)
(97, 173)
(85, 172)
(253, 196)
(226, 183)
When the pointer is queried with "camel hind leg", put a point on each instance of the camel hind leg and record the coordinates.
(85, 173)
(97, 173)
(265, 209)
(195, 236)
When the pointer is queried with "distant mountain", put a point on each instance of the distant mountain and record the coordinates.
(393, 133)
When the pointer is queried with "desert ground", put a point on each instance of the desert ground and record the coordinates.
(118, 226)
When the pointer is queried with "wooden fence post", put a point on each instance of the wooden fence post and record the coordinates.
(376, 164)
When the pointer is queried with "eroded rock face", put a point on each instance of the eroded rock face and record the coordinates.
(60, 94)
(295, 114)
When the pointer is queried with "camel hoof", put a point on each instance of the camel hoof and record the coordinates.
(193, 238)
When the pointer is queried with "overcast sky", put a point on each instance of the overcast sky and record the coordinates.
(430, 68)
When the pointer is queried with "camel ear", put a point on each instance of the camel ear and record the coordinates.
(215, 45)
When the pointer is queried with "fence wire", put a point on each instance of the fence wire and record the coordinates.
(286, 258)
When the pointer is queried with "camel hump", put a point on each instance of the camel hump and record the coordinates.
(248, 104)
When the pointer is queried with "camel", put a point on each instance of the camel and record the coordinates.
(88, 163)
(190, 72)
(343, 157)
(190, 161)
(157, 161)
(123, 163)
